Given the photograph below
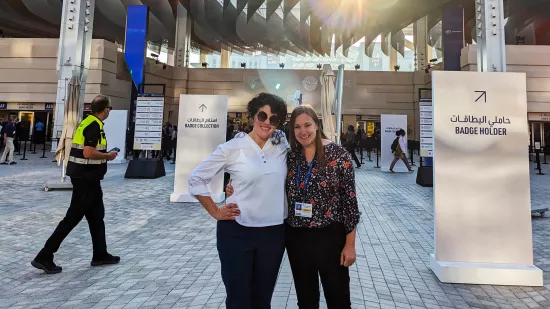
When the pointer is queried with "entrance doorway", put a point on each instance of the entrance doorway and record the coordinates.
(362, 124)
(27, 123)
(540, 133)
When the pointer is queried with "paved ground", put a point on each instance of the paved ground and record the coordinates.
(169, 258)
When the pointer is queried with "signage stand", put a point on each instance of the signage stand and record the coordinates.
(390, 124)
(482, 215)
(424, 176)
(202, 128)
(148, 118)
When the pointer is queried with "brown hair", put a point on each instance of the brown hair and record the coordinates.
(295, 146)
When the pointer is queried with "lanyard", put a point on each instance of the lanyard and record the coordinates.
(306, 180)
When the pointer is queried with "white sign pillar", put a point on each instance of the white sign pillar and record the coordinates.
(115, 131)
(390, 124)
(202, 126)
(482, 204)
(491, 51)
(75, 44)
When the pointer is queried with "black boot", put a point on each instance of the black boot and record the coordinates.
(45, 262)
(105, 259)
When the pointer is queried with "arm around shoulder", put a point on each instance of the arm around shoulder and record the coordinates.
(347, 191)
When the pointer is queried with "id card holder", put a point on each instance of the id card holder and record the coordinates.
(307, 210)
(298, 209)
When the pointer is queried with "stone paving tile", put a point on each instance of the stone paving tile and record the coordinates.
(169, 256)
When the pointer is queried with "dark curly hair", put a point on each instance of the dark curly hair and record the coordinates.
(277, 104)
(278, 107)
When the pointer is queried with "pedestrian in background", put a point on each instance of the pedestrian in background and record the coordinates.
(400, 151)
(9, 139)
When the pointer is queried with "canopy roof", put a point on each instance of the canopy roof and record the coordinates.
(278, 26)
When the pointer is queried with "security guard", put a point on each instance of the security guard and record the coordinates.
(87, 166)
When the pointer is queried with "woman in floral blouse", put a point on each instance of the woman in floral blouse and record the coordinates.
(322, 213)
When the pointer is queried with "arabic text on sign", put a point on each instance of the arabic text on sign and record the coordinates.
(148, 134)
(146, 146)
(147, 109)
(480, 120)
(426, 133)
(538, 116)
(149, 103)
(149, 115)
(145, 140)
(146, 121)
(148, 128)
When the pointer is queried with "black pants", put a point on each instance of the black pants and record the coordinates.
(354, 156)
(250, 259)
(315, 252)
(87, 201)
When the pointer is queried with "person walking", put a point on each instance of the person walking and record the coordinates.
(9, 137)
(87, 166)
(322, 213)
(1, 133)
(351, 143)
(400, 152)
(174, 143)
(250, 237)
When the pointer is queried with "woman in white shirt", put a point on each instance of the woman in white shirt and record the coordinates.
(400, 151)
(250, 238)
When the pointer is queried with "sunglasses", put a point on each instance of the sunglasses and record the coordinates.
(273, 120)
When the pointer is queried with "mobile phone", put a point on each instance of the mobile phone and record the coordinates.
(115, 149)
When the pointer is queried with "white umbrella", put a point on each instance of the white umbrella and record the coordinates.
(328, 80)
(69, 124)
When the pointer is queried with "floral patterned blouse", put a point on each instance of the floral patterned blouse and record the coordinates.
(330, 190)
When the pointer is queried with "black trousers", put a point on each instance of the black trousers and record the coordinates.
(354, 156)
(314, 252)
(250, 259)
(87, 201)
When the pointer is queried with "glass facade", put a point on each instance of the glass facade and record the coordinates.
(356, 55)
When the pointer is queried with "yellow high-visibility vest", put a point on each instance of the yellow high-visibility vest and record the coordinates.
(77, 150)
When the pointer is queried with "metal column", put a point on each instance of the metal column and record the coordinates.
(421, 43)
(337, 107)
(491, 53)
(183, 37)
(75, 44)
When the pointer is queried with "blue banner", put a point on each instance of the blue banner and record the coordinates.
(453, 36)
(135, 45)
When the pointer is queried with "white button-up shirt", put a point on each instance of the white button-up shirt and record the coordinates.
(258, 178)
(403, 144)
